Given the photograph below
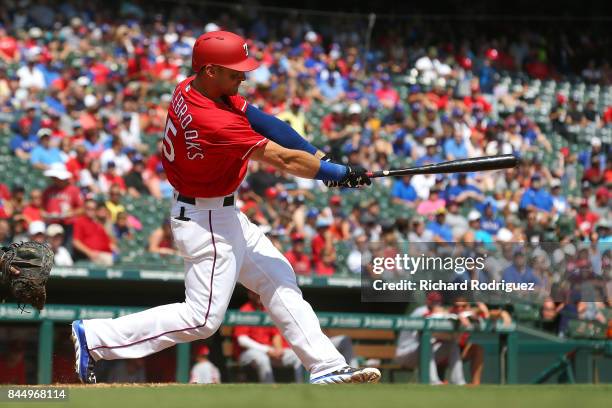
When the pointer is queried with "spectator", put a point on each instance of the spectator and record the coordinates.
(463, 191)
(5, 233)
(122, 228)
(110, 178)
(55, 237)
(91, 241)
(438, 227)
(77, 163)
(433, 204)
(295, 117)
(456, 148)
(116, 156)
(161, 240)
(113, 204)
(300, 262)
(323, 250)
(45, 155)
(134, 180)
(457, 222)
(36, 231)
(24, 141)
(262, 347)
(204, 372)
(560, 203)
(480, 235)
(585, 219)
(34, 211)
(536, 198)
(431, 154)
(61, 200)
(403, 192)
(519, 272)
(490, 222)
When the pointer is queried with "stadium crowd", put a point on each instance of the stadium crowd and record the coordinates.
(84, 93)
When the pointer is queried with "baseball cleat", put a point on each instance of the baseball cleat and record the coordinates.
(84, 365)
(348, 375)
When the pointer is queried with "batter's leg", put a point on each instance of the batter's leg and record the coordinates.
(266, 272)
(211, 244)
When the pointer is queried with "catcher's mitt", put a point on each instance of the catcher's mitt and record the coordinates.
(33, 262)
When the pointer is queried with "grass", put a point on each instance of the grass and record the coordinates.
(340, 396)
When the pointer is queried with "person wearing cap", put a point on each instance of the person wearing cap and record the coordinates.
(560, 202)
(440, 230)
(211, 133)
(36, 231)
(203, 371)
(297, 258)
(62, 201)
(24, 139)
(431, 152)
(480, 235)
(55, 237)
(45, 154)
(600, 205)
(535, 197)
(594, 174)
(586, 157)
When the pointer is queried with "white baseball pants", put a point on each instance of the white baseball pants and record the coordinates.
(220, 247)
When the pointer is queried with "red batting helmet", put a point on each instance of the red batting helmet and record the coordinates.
(222, 48)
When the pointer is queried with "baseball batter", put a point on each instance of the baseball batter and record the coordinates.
(210, 135)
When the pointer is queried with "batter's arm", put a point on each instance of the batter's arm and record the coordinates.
(298, 162)
(279, 131)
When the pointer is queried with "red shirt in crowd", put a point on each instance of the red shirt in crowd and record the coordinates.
(59, 200)
(320, 267)
(92, 234)
(8, 46)
(299, 261)
(31, 213)
(261, 334)
(585, 222)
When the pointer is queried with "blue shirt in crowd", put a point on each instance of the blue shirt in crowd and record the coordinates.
(513, 275)
(458, 151)
(403, 191)
(46, 156)
(541, 199)
(441, 230)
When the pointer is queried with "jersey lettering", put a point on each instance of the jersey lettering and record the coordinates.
(168, 146)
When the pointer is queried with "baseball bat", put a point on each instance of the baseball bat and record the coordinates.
(504, 161)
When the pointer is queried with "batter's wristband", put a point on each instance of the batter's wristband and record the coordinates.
(330, 171)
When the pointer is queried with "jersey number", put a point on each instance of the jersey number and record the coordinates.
(168, 146)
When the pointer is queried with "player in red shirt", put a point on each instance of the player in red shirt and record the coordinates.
(209, 137)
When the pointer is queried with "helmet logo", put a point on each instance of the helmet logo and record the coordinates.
(246, 49)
